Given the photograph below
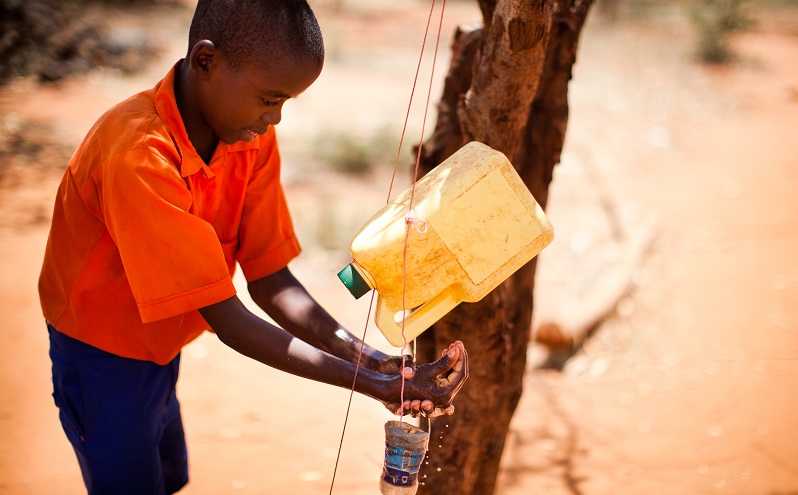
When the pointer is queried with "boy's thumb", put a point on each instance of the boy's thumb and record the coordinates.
(447, 360)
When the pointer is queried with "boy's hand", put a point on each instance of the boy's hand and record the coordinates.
(391, 365)
(439, 381)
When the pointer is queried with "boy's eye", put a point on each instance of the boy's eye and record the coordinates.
(270, 103)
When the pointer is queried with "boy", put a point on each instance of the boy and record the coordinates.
(166, 193)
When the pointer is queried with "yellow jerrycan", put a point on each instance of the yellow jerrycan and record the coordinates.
(473, 223)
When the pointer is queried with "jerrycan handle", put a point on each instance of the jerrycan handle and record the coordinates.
(419, 319)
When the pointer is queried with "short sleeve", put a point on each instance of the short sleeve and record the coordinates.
(267, 241)
(172, 259)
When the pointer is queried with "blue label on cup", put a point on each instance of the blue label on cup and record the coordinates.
(403, 460)
(397, 477)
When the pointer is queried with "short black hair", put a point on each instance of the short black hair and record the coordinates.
(258, 30)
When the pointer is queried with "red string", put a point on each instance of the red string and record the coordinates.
(412, 194)
(352, 391)
(410, 103)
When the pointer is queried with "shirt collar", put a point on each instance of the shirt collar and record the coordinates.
(166, 106)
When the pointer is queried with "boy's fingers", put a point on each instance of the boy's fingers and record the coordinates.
(394, 408)
(459, 370)
(460, 373)
(439, 411)
(451, 346)
(446, 362)
(461, 366)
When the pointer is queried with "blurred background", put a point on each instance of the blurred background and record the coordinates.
(672, 282)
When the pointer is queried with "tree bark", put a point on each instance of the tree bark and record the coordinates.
(506, 87)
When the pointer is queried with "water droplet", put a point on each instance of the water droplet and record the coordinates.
(424, 476)
(715, 431)
(238, 484)
(439, 470)
(427, 462)
(720, 484)
(745, 474)
(447, 426)
(440, 446)
(703, 469)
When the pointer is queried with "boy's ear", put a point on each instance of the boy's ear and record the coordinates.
(202, 58)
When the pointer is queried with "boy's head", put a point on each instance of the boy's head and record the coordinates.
(258, 31)
(245, 59)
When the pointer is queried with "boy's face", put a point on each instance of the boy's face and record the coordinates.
(241, 103)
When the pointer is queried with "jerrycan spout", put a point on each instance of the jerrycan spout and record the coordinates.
(355, 280)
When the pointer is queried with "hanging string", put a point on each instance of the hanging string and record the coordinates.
(412, 193)
(410, 102)
(352, 392)
(409, 221)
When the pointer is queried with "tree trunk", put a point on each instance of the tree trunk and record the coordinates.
(506, 87)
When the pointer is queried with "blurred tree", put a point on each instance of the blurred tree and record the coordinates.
(54, 38)
(714, 21)
(608, 9)
(507, 87)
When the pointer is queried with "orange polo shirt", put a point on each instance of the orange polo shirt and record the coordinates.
(144, 233)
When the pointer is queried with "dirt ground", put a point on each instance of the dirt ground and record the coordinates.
(688, 388)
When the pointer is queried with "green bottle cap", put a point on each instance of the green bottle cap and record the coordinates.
(353, 281)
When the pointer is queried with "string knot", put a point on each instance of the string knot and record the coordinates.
(419, 223)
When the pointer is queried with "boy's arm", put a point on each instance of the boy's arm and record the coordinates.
(437, 382)
(284, 298)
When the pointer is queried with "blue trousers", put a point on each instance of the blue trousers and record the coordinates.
(122, 418)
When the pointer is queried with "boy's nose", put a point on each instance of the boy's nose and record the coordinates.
(272, 117)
